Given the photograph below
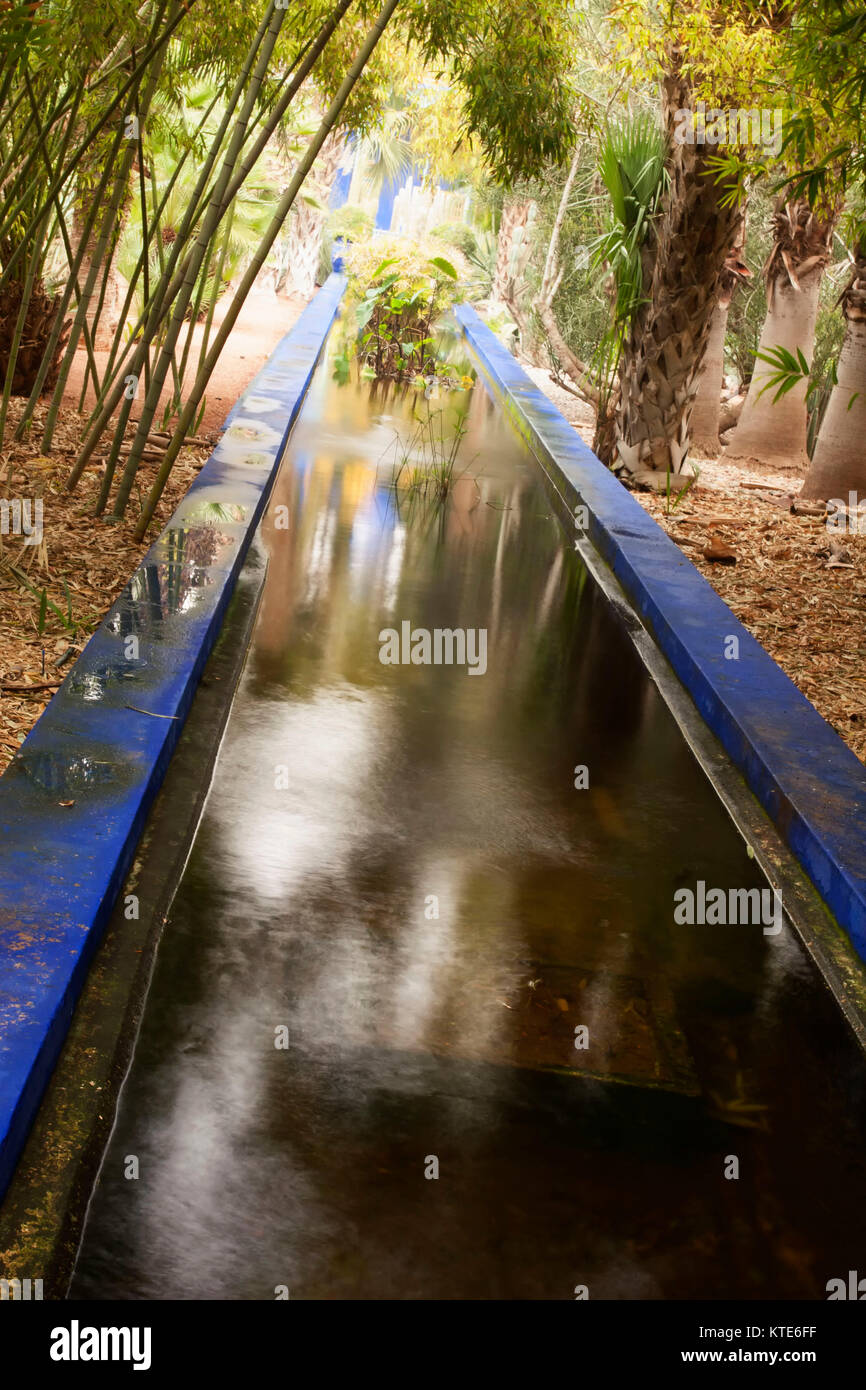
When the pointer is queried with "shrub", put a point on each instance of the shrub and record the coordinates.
(457, 234)
(352, 224)
(397, 290)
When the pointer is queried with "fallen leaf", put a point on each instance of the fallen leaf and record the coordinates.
(717, 552)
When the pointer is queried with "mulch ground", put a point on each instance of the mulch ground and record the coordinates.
(804, 601)
(81, 565)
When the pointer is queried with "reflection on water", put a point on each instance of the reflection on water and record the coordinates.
(396, 875)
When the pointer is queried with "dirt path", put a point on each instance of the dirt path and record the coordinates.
(264, 319)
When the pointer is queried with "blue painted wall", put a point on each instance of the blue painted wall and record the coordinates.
(343, 182)
(385, 207)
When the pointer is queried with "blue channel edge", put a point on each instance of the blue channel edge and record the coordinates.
(804, 775)
(74, 799)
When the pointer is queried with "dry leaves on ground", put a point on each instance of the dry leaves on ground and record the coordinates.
(82, 564)
(789, 587)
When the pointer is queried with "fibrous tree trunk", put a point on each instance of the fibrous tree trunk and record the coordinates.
(839, 464)
(512, 246)
(38, 325)
(774, 431)
(304, 248)
(706, 408)
(668, 334)
(308, 220)
(704, 424)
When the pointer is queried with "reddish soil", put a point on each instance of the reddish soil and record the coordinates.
(263, 321)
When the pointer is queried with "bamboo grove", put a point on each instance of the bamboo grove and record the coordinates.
(84, 92)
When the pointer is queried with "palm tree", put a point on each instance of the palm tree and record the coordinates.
(688, 245)
(631, 167)
(772, 427)
(512, 245)
(839, 463)
(251, 212)
(303, 243)
(706, 409)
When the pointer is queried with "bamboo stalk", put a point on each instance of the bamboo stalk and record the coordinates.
(72, 287)
(158, 207)
(165, 290)
(80, 319)
(154, 47)
(121, 185)
(26, 296)
(212, 306)
(303, 64)
(283, 209)
(255, 67)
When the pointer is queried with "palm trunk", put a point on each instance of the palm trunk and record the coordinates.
(706, 408)
(668, 335)
(704, 423)
(775, 432)
(839, 465)
(308, 223)
(512, 255)
(305, 245)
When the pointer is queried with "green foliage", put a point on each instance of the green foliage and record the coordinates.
(396, 292)
(827, 56)
(477, 247)
(787, 371)
(425, 462)
(631, 166)
(350, 223)
(386, 150)
(459, 235)
(672, 501)
(829, 333)
(251, 212)
(45, 603)
(512, 61)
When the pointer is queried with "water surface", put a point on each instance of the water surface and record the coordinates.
(396, 873)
